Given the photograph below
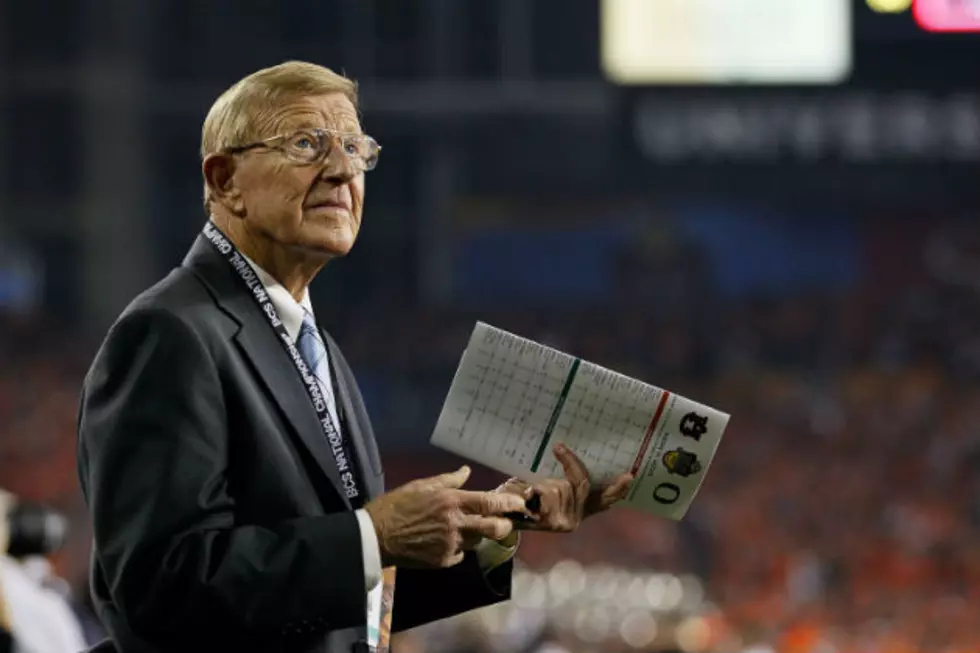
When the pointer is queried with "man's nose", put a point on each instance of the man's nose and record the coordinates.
(337, 166)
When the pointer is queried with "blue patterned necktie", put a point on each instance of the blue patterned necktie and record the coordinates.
(314, 354)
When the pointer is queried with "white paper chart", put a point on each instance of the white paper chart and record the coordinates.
(513, 399)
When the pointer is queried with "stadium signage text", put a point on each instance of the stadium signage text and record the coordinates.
(852, 127)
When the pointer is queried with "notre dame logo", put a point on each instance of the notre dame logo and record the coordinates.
(694, 426)
(680, 462)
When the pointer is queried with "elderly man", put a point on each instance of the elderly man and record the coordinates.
(225, 453)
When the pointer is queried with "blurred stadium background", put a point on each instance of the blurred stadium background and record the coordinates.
(768, 205)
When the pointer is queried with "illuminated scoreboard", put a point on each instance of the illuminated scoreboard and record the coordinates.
(726, 41)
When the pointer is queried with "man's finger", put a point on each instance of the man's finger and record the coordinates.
(529, 526)
(575, 470)
(451, 480)
(454, 559)
(492, 528)
(490, 503)
(617, 490)
(516, 486)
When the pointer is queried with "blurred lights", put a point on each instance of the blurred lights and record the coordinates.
(636, 592)
(655, 591)
(947, 15)
(592, 624)
(604, 585)
(691, 41)
(519, 630)
(531, 591)
(693, 592)
(889, 6)
(599, 603)
(566, 580)
(673, 593)
(694, 635)
(639, 629)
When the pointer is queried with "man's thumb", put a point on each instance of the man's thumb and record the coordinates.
(454, 479)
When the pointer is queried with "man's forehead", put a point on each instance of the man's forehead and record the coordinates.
(334, 112)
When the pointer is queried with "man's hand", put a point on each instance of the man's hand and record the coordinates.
(566, 502)
(431, 522)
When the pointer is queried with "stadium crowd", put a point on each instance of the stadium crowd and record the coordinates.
(840, 515)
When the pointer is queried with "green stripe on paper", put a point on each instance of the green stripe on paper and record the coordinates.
(554, 415)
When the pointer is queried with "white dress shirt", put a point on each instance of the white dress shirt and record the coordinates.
(39, 618)
(489, 553)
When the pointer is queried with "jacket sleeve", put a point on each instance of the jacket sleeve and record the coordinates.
(153, 455)
(426, 595)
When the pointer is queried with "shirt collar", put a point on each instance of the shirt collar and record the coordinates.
(290, 311)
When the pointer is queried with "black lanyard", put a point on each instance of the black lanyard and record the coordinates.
(338, 444)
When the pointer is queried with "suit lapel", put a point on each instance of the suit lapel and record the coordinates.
(261, 346)
(281, 379)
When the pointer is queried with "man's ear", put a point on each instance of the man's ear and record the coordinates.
(219, 175)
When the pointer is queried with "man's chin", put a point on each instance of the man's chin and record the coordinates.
(339, 242)
(333, 236)
(338, 250)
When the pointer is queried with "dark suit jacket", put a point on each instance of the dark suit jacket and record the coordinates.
(220, 521)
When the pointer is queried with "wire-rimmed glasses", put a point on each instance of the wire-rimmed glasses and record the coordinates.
(308, 146)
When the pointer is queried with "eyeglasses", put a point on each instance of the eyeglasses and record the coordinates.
(308, 146)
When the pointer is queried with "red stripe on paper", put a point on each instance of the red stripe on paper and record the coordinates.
(649, 435)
